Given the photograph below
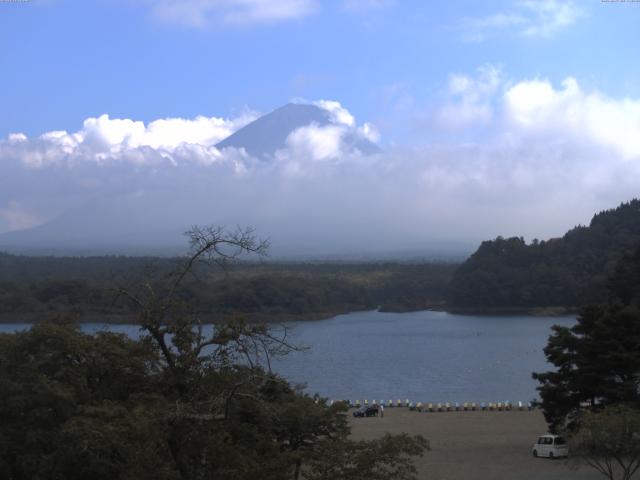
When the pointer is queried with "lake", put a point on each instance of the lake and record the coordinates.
(424, 356)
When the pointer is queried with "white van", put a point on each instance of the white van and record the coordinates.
(551, 446)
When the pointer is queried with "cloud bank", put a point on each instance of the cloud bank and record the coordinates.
(103, 139)
(548, 156)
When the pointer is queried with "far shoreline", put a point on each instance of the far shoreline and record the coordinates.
(555, 311)
(259, 318)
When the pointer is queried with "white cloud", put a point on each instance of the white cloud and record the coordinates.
(16, 138)
(314, 142)
(336, 141)
(470, 99)
(338, 113)
(549, 157)
(200, 13)
(535, 106)
(104, 139)
(528, 18)
(369, 132)
(536, 109)
(549, 16)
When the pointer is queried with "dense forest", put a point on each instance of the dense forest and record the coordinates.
(32, 288)
(508, 273)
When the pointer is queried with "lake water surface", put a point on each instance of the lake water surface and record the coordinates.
(423, 356)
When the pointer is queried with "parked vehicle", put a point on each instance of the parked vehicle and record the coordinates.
(370, 411)
(550, 446)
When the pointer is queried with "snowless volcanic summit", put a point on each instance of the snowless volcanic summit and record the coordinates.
(268, 134)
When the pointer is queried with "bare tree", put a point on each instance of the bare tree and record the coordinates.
(174, 325)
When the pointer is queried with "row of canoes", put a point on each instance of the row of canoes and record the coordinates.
(446, 406)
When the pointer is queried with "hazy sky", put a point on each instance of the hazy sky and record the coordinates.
(518, 117)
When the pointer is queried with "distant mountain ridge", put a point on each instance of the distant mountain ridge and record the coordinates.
(269, 133)
(508, 273)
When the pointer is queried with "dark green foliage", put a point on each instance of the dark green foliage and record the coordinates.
(413, 287)
(568, 271)
(598, 359)
(33, 287)
(624, 283)
(76, 406)
(64, 397)
(286, 294)
(176, 404)
(609, 441)
(386, 458)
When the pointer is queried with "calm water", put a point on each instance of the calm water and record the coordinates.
(423, 356)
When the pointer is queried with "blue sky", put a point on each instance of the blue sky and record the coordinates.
(495, 118)
(387, 62)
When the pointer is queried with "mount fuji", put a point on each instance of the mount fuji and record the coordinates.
(153, 205)
(268, 134)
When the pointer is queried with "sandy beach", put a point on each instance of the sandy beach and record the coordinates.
(475, 445)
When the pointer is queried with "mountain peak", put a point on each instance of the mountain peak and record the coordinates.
(268, 134)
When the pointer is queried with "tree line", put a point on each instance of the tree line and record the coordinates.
(509, 273)
(34, 287)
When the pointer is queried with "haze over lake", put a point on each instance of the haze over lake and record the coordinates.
(423, 356)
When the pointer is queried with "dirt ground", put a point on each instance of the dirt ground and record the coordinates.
(475, 445)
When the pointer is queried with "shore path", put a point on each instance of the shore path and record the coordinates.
(474, 445)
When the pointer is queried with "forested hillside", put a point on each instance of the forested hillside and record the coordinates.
(505, 274)
(32, 288)
(508, 273)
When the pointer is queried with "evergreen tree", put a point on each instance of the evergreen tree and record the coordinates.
(598, 359)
